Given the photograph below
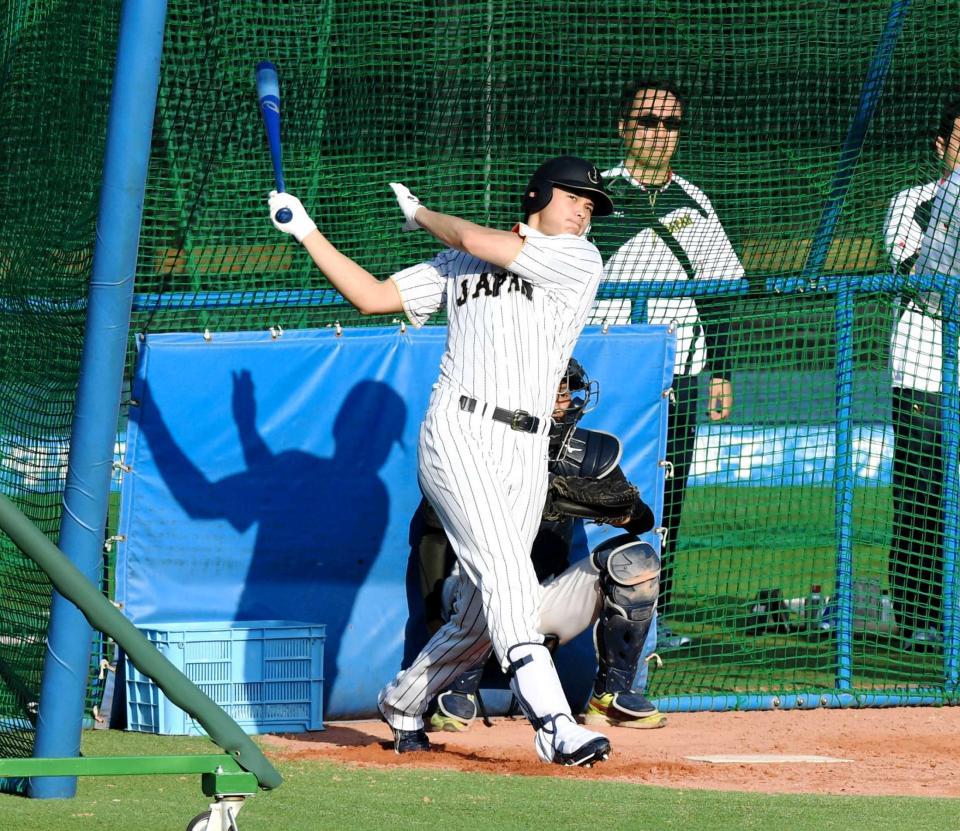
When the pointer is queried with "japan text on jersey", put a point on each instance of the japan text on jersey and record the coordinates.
(491, 284)
(510, 331)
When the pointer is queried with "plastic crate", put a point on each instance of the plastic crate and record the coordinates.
(266, 674)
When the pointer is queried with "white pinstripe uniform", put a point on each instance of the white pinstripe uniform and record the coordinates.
(510, 336)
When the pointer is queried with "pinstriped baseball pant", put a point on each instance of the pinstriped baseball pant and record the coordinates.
(487, 484)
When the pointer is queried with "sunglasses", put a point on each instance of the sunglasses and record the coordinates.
(650, 122)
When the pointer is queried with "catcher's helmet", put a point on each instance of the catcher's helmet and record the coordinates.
(584, 392)
(570, 173)
(575, 376)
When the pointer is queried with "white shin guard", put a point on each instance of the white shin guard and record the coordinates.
(559, 738)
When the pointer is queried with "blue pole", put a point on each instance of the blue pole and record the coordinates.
(843, 489)
(812, 700)
(857, 132)
(951, 449)
(87, 492)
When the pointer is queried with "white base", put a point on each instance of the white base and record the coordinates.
(766, 759)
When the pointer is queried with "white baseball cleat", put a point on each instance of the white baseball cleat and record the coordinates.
(564, 742)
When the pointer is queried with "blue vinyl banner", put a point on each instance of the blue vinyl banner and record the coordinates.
(275, 478)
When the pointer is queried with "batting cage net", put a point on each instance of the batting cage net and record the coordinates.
(55, 61)
(815, 395)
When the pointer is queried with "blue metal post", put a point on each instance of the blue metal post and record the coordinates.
(843, 489)
(919, 697)
(950, 407)
(86, 497)
(850, 154)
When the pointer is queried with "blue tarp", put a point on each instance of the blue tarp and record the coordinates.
(275, 478)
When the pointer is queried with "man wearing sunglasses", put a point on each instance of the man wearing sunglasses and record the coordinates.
(665, 228)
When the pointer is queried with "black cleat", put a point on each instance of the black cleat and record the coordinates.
(410, 741)
(407, 741)
(596, 751)
(623, 709)
(455, 712)
(566, 743)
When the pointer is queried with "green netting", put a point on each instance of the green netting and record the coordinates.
(460, 101)
(55, 66)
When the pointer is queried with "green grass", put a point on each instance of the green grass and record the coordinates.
(321, 795)
(747, 538)
(736, 541)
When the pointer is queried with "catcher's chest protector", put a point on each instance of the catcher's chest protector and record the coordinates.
(588, 453)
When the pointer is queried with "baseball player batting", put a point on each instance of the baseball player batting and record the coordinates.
(516, 302)
(614, 589)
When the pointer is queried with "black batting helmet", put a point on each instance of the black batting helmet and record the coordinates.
(570, 173)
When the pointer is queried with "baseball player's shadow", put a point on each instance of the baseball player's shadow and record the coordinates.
(320, 521)
(416, 632)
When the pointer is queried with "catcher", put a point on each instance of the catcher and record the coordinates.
(614, 589)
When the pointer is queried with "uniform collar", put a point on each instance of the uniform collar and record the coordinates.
(623, 172)
(521, 229)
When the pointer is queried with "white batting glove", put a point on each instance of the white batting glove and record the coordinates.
(300, 224)
(408, 204)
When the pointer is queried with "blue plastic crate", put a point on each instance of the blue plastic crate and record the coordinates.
(266, 674)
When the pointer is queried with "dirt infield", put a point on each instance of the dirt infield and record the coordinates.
(894, 751)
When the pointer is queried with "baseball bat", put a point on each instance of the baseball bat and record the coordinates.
(268, 94)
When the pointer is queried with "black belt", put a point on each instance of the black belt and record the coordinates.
(517, 419)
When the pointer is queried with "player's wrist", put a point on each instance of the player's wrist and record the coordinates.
(302, 227)
(419, 219)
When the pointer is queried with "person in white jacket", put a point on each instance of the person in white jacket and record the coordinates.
(921, 232)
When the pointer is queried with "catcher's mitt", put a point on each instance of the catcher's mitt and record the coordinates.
(602, 500)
